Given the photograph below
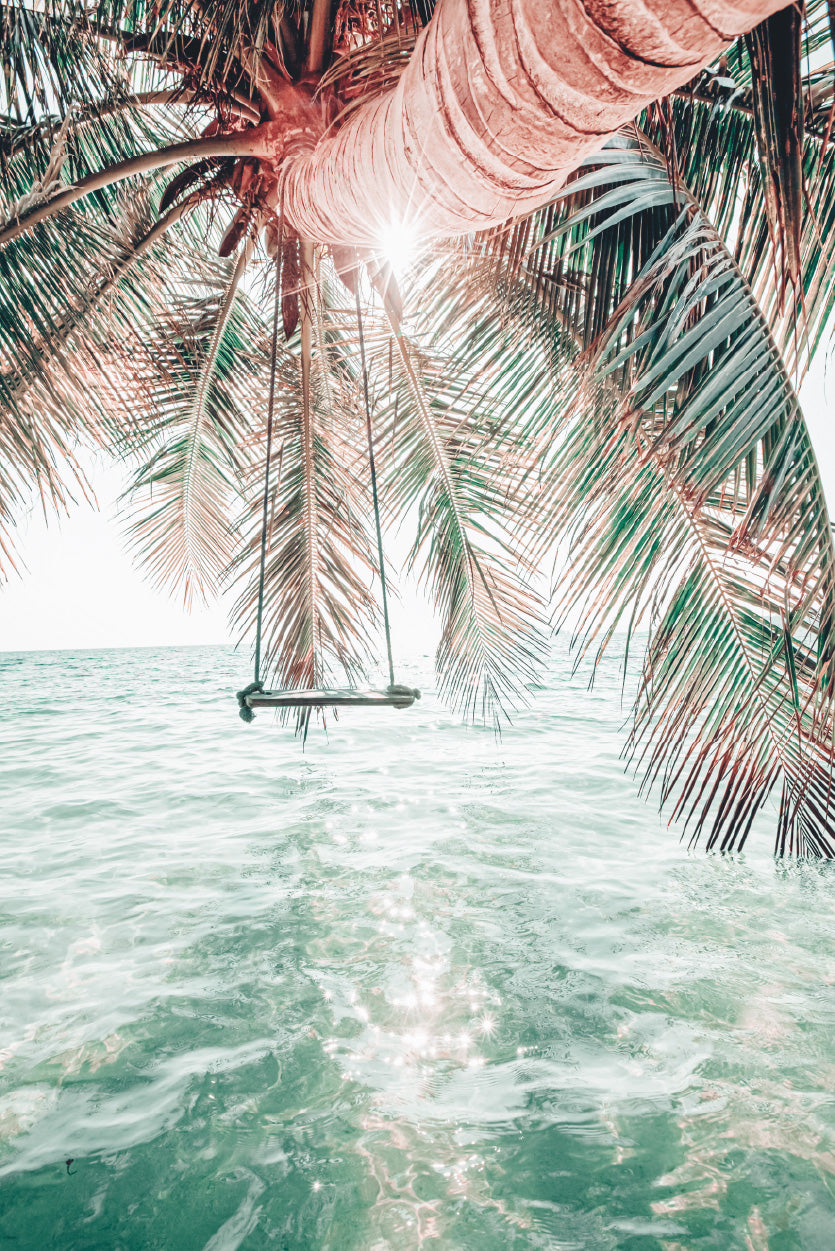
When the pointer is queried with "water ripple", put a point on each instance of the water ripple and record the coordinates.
(411, 987)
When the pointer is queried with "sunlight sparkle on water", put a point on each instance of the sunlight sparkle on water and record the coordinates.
(253, 972)
(487, 1025)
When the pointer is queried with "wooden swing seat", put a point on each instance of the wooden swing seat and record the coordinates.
(334, 697)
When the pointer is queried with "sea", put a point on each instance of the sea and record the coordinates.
(407, 985)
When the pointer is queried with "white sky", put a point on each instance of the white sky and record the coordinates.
(80, 589)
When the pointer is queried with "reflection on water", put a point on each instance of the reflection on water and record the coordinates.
(409, 988)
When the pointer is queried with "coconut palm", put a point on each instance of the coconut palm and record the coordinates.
(594, 347)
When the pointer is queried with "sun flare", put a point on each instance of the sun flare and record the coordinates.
(398, 243)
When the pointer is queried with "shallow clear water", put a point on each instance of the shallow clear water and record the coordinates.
(409, 988)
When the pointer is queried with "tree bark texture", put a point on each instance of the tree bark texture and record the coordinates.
(500, 101)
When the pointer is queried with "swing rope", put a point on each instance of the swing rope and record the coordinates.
(270, 405)
(245, 712)
(399, 696)
(374, 494)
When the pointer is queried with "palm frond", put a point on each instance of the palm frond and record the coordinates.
(40, 158)
(61, 331)
(49, 59)
(769, 185)
(60, 48)
(368, 70)
(774, 49)
(439, 420)
(694, 500)
(200, 372)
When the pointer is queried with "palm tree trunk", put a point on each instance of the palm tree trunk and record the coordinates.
(501, 100)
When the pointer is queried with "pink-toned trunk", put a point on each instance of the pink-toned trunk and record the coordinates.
(501, 100)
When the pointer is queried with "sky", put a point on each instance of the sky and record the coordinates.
(817, 396)
(80, 588)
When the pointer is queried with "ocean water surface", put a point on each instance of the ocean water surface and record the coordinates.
(407, 988)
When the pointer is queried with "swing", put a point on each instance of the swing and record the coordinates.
(254, 696)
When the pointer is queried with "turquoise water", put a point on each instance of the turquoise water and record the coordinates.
(409, 988)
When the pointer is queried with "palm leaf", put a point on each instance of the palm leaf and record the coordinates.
(758, 210)
(445, 463)
(49, 59)
(774, 49)
(199, 374)
(694, 500)
(60, 331)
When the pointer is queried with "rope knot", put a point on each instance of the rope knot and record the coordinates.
(244, 710)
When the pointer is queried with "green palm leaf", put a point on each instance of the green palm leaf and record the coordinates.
(696, 510)
(737, 191)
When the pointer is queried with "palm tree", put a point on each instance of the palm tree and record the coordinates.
(595, 342)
